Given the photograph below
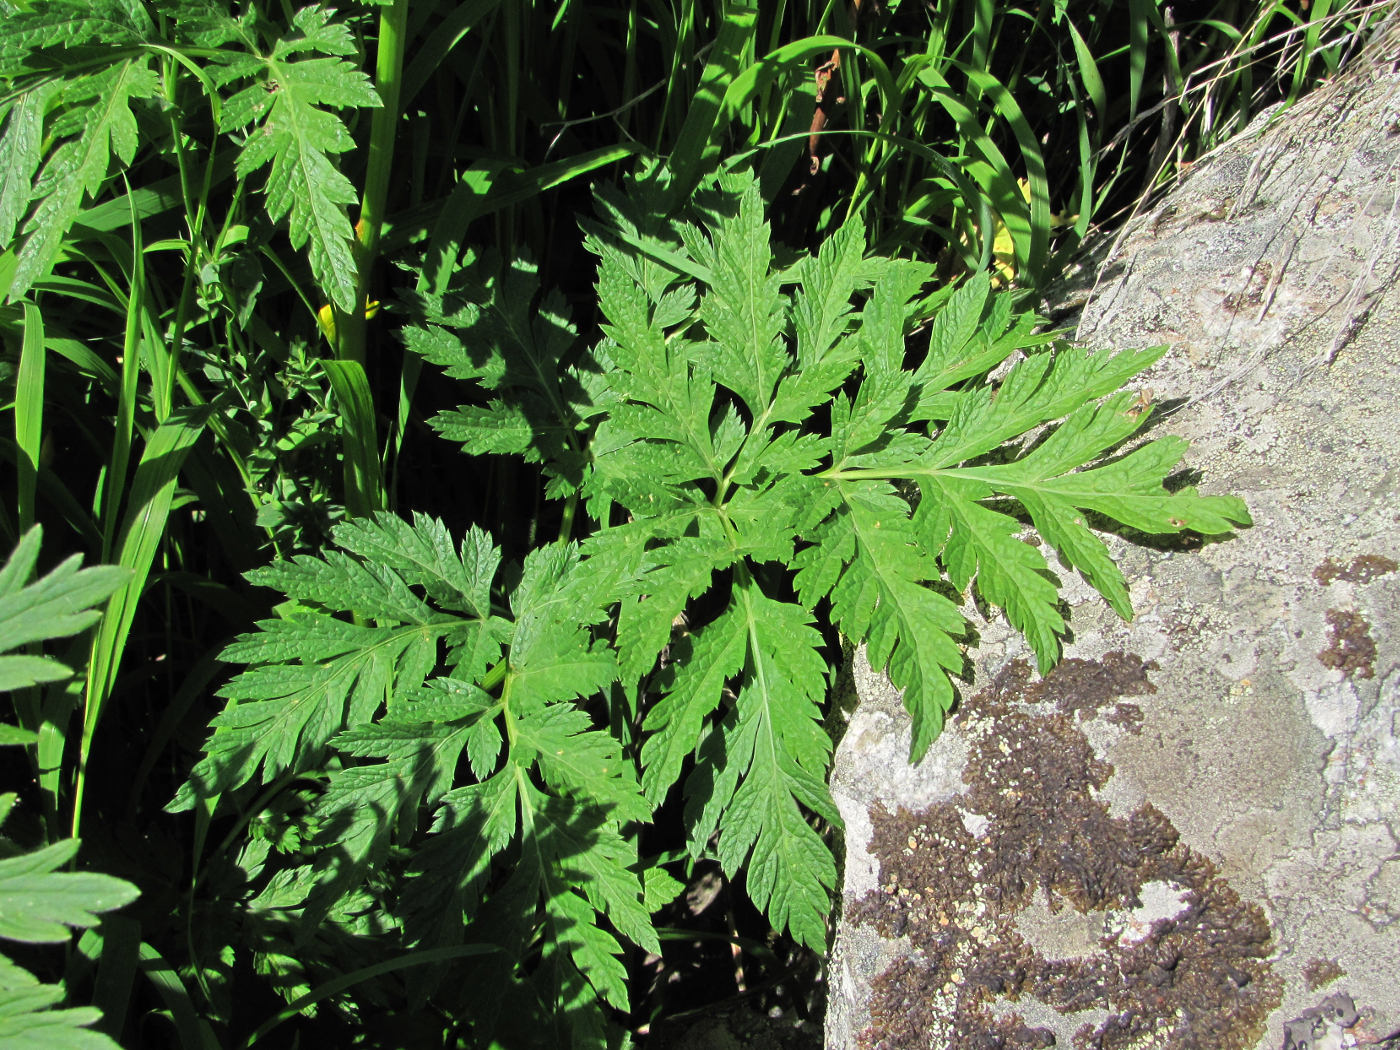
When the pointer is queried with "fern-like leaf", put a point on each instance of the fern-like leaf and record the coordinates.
(514, 348)
(743, 307)
(69, 23)
(878, 554)
(97, 125)
(782, 754)
(313, 675)
(869, 559)
(39, 903)
(501, 753)
(20, 155)
(56, 605)
(295, 133)
(753, 447)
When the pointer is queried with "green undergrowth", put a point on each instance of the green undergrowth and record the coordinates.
(550, 561)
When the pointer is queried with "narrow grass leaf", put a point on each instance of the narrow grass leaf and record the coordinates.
(460, 20)
(697, 144)
(192, 1031)
(325, 990)
(364, 479)
(1088, 71)
(148, 507)
(118, 942)
(29, 412)
(1139, 15)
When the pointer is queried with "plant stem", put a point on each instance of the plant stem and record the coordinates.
(388, 81)
(364, 481)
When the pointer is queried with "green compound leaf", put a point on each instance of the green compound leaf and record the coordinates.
(1010, 573)
(572, 756)
(694, 687)
(26, 1023)
(748, 445)
(876, 559)
(56, 605)
(38, 903)
(296, 135)
(869, 558)
(68, 130)
(20, 155)
(514, 347)
(99, 125)
(314, 674)
(422, 554)
(981, 541)
(669, 576)
(743, 307)
(782, 757)
(500, 760)
(69, 23)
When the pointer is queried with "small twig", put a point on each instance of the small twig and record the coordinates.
(565, 125)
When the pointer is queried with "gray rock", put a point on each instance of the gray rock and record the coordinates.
(1189, 835)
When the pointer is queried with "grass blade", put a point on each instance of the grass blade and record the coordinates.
(364, 478)
(126, 398)
(506, 190)
(1088, 72)
(194, 1033)
(148, 508)
(349, 980)
(446, 35)
(697, 146)
(988, 166)
(116, 945)
(1030, 256)
(29, 412)
(1139, 14)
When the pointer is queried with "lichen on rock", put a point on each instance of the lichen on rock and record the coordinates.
(1190, 975)
(1352, 650)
